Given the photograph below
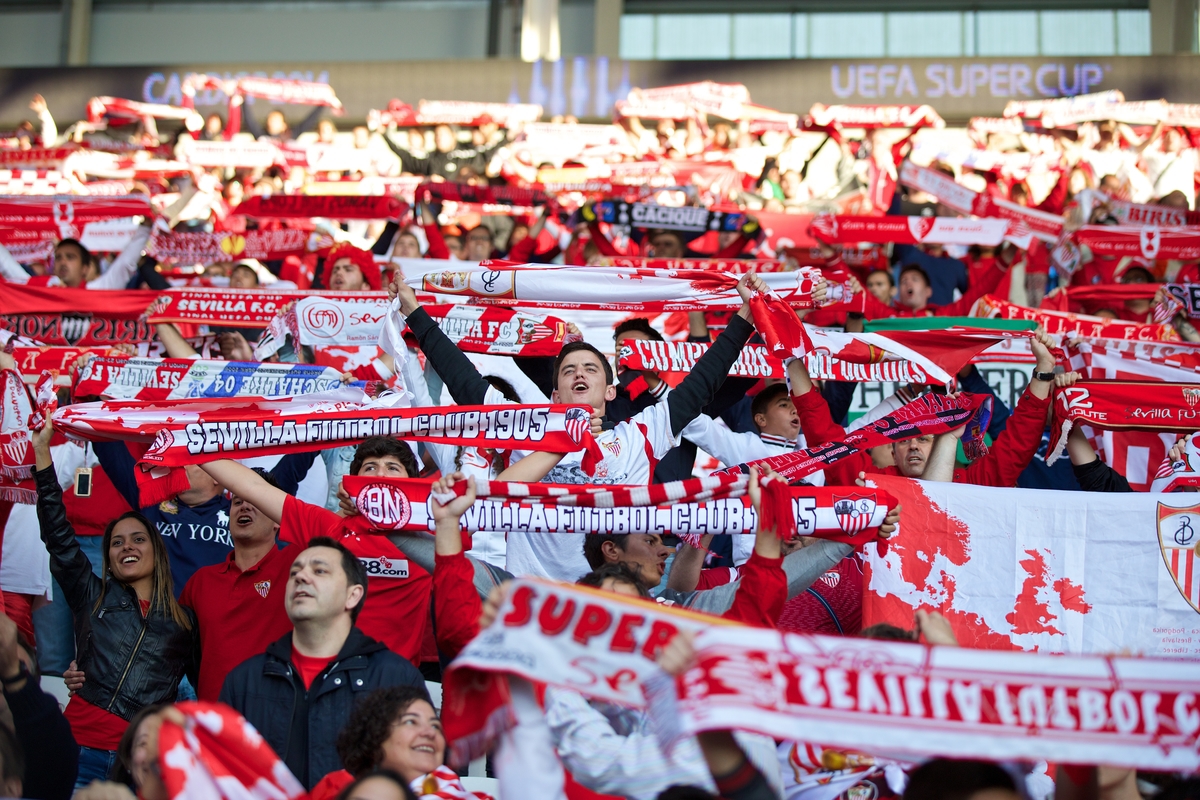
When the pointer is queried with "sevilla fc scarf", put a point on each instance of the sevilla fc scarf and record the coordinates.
(1122, 360)
(326, 206)
(842, 229)
(249, 308)
(603, 288)
(928, 414)
(920, 702)
(16, 447)
(901, 116)
(689, 509)
(1123, 406)
(209, 248)
(489, 195)
(36, 157)
(736, 266)
(688, 219)
(317, 321)
(123, 378)
(1059, 322)
(541, 630)
(1127, 213)
(1188, 295)
(216, 754)
(28, 246)
(1140, 242)
(68, 213)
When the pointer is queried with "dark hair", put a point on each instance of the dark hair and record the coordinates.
(640, 324)
(764, 398)
(681, 792)
(481, 227)
(85, 255)
(887, 272)
(379, 773)
(887, 632)
(379, 446)
(30, 650)
(676, 235)
(593, 542)
(12, 754)
(617, 572)
(356, 574)
(360, 743)
(503, 387)
(122, 769)
(952, 779)
(266, 476)
(915, 267)
(246, 267)
(163, 594)
(575, 347)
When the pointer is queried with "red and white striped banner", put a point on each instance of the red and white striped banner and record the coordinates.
(841, 229)
(36, 156)
(1123, 360)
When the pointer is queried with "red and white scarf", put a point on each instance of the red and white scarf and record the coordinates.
(868, 116)
(735, 266)
(68, 214)
(16, 446)
(1140, 241)
(1123, 406)
(326, 206)
(843, 229)
(1127, 213)
(217, 755)
(124, 378)
(318, 321)
(928, 414)
(276, 90)
(920, 701)
(1059, 322)
(689, 508)
(209, 248)
(1123, 360)
(250, 308)
(444, 782)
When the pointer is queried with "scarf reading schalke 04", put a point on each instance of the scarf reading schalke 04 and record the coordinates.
(870, 695)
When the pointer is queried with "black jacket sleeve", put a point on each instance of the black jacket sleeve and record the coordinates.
(150, 276)
(51, 754)
(539, 369)
(118, 464)
(466, 385)
(68, 564)
(408, 162)
(701, 384)
(1100, 477)
(292, 468)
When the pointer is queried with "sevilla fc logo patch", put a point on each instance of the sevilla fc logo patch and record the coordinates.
(578, 422)
(263, 588)
(854, 512)
(1179, 540)
(920, 227)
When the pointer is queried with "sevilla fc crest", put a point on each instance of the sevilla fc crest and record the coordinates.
(854, 512)
(1179, 541)
(920, 227)
(578, 422)
(263, 588)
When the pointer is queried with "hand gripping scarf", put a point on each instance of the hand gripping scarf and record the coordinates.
(16, 446)
(217, 755)
(689, 509)
(1123, 406)
(181, 432)
(919, 701)
(928, 414)
(1174, 475)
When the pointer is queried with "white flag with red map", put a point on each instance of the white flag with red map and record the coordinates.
(1029, 569)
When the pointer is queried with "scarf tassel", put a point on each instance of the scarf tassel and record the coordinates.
(778, 514)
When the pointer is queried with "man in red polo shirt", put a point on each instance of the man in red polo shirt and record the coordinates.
(239, 603)
(398, 591)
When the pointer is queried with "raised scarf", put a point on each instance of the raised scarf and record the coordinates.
(929, 414)
(1123, 406)
(736, 266)
(872, 116)
(124, 378)
(68, 213)
(689, 509)
(1059, 322)
(922, 702)
(16, 446)
(689, 219)
(217, 755)
(1139, 241)
(209, 248)
(327, 206)
(1127, 213)
(250, 308)
(1174, 475)
(487, 195)
(844, 229)
(1123, 360)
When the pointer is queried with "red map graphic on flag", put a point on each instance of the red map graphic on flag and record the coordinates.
(931, 558)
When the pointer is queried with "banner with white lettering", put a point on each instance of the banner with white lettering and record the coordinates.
(1033, 569)
(690, 219)
(250, 308)
(919, 701)
(844, 229)
(122, 378)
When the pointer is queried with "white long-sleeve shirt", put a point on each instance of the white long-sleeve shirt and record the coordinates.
(118, 274)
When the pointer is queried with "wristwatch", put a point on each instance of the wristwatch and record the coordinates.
(1043, 376)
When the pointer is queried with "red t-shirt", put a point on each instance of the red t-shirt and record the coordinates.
(92, 726)
(397, 607)
(237, 613)
(309, 667)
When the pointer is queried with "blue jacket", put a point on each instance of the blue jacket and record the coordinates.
(302, 725)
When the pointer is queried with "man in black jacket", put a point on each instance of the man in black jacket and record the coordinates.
(300, 692)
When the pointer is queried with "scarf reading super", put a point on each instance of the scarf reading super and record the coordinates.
(522, 424)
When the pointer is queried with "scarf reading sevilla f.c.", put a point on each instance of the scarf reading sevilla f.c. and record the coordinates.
(16, 446)
(929, 414)
(1123, 406)
(689, 509)
(919, 702)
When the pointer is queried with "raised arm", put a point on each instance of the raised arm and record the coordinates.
(456, 603)
(466, 385)
(125, 265)
(11, 269)
(248, 485)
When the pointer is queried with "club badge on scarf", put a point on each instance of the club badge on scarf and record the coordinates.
(690, 509)
(923, 702)
(122, 378)
(16, 446)
(1123, 405)
(217, 755)
(928, 414)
